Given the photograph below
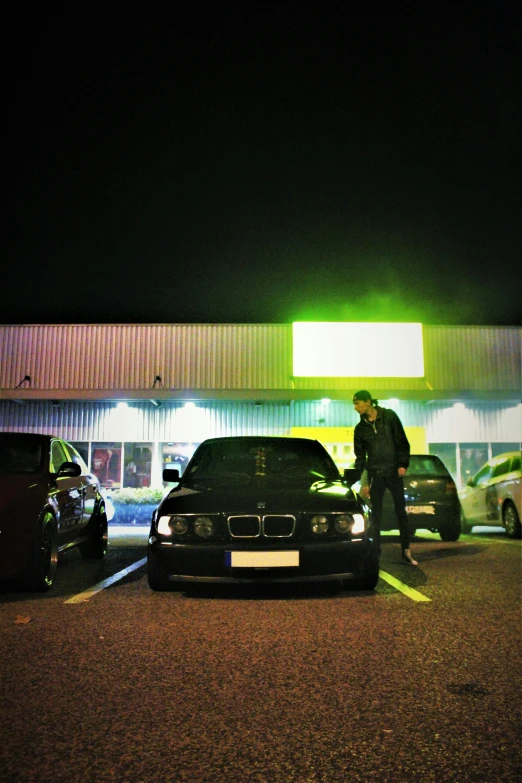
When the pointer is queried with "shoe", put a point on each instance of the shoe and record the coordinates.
(408, 557)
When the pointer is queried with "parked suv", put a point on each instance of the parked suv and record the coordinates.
(493, 496)
(49, 503)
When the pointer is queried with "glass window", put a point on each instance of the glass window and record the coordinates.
(447, 452)
(502, 467)
(515, 465)
(483, 476)
(75, 457)
(106, 463)
(20, 454)
(341, 453)
(503, 448)
(245, 457)
(137, 463)
(472, 457)
(426, 466)
(58, 456)
(82, 447)
(177, 455)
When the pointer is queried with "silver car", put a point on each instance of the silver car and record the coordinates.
(493, 496)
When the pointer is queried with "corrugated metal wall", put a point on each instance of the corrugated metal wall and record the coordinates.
(102, 421)
(472, 357)
(235, 357)
(106, 421)
(185, 356)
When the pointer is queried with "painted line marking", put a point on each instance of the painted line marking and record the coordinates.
(408, 591)
(87, 594)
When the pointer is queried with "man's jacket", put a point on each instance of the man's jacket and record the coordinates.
(381, 446)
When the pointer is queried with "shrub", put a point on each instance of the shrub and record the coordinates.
(137, 496)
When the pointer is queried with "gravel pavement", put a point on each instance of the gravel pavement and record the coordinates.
(300, 684)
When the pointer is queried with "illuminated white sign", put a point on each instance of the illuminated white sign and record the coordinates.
(357, 350)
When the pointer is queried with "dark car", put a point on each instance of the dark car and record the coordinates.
(49, 502)
(261, 509)
(493, 496)
(432, 501)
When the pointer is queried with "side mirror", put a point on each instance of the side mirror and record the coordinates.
(171, 474)
(470, 482)
(351, 475)
(69, 469)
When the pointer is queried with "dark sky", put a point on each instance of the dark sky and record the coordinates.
(272, 164)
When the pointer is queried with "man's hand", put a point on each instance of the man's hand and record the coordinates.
(402, 472)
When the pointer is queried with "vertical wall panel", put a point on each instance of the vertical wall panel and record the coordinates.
(234, 356)
(143, 422)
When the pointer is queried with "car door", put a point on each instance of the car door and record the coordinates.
(67, 494)
(498, 488)
(477, 498)
(88, 486)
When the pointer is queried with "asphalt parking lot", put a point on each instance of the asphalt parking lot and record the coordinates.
(419, 680)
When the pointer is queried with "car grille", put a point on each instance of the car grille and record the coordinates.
(269, 526)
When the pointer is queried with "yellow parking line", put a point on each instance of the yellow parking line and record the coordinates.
(82, 597)
(408, 591)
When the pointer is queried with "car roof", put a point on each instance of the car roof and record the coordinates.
(260, 438)
(29, 436)
(494, 461)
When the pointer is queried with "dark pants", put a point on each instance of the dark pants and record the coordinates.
(395, 484)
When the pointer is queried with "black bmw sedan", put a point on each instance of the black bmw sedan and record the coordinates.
(49, 502)
(253, 509)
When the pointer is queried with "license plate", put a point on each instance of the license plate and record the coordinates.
(420, 510)
(287, 559)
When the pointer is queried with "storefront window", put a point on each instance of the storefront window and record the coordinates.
(106, 463)
(177, 455)
(447, 452)
(342, 454)
(82, 447)
(502, 448)
(472, 457)
(137, 462)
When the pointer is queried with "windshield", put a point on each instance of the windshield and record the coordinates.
(250, 459)
(19, 454)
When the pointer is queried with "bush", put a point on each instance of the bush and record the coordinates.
(140, 496)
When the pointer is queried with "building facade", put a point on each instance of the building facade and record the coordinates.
(134, 398)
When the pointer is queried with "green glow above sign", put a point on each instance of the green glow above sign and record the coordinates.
(357, 350)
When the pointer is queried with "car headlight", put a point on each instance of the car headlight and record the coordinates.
(203, 527)
(343, 523)
(168, 525)
(319, 524)
(359, 524)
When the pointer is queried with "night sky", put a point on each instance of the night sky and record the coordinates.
(267, 165)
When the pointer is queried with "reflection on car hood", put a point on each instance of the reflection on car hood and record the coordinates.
(261, 497)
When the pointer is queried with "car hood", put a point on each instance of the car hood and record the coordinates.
(262, 498)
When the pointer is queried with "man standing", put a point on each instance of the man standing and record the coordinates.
(381, 446)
